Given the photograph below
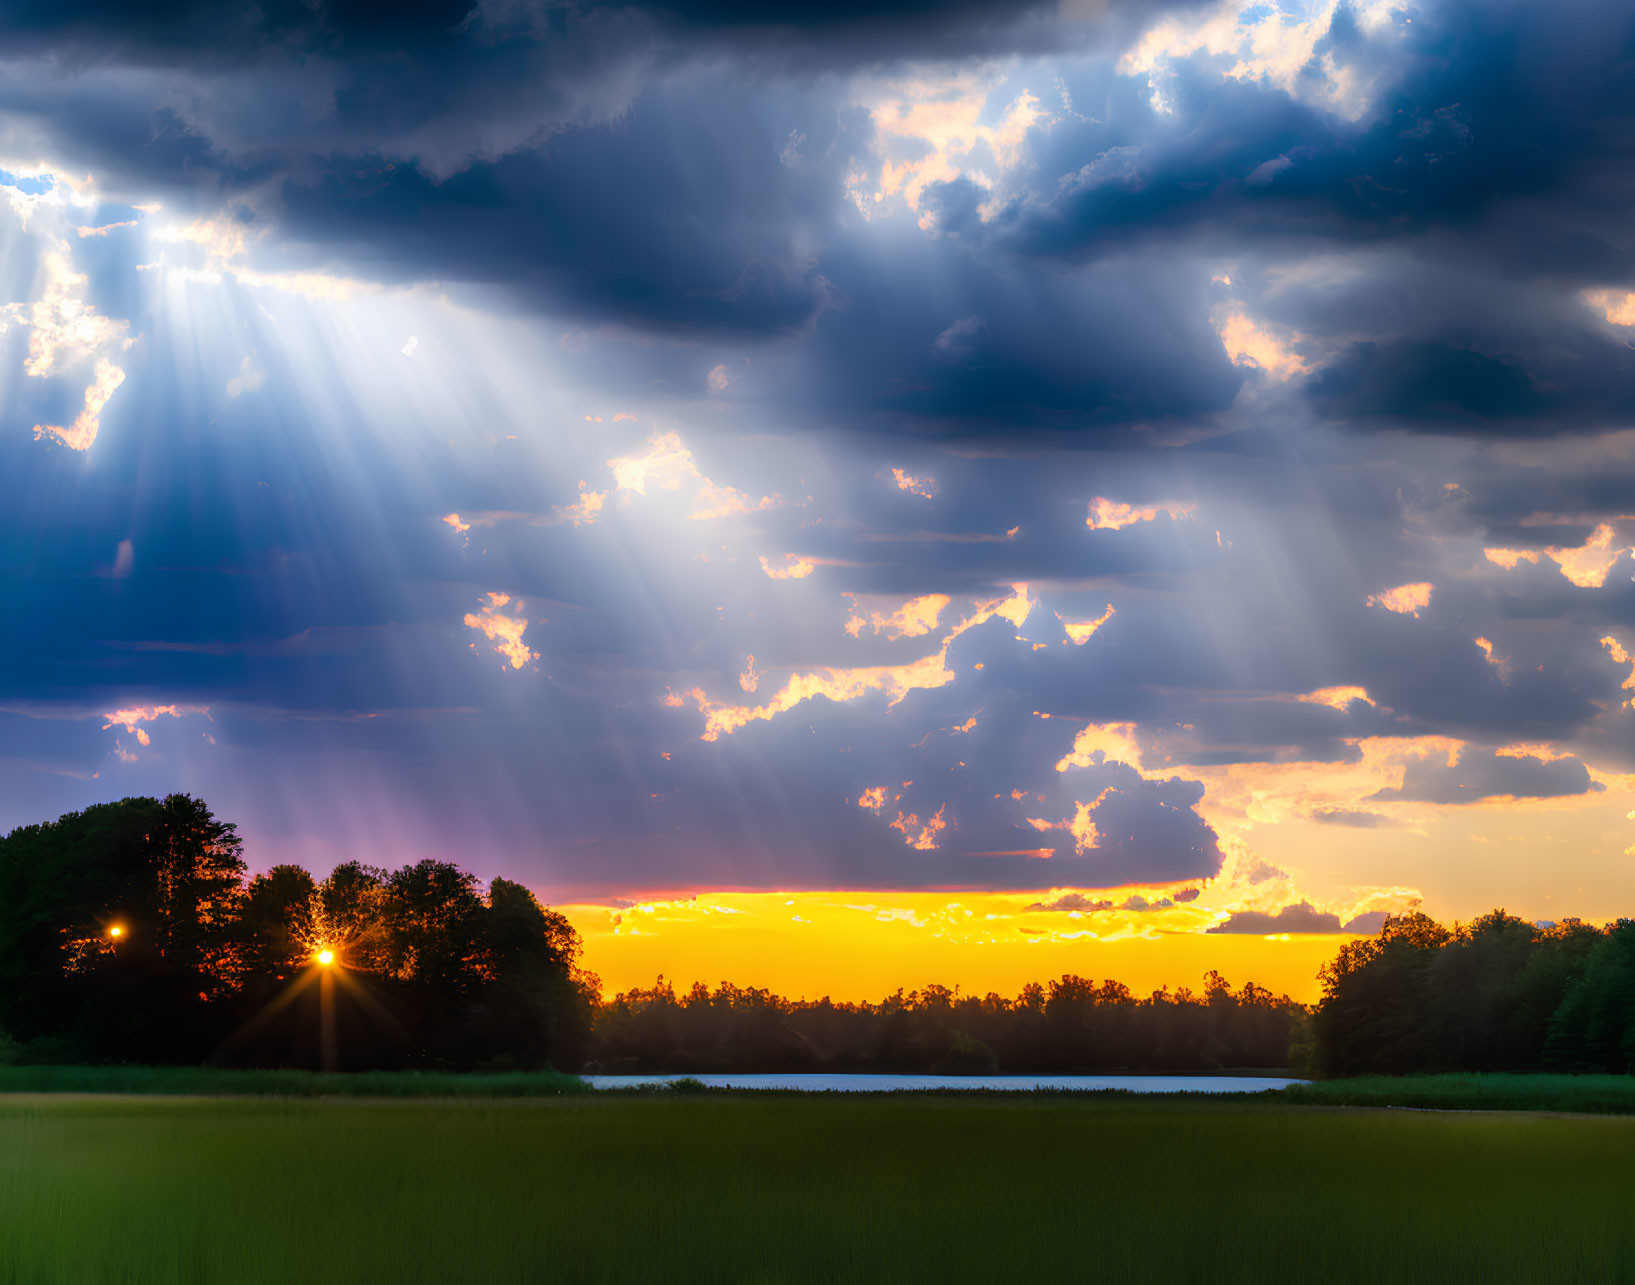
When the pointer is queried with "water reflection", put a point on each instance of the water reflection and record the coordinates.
(821, 1083)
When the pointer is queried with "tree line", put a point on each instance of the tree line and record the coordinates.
(132, 932)
(1497, 994)
(1071, 1024)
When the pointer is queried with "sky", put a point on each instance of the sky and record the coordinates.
(874, 495)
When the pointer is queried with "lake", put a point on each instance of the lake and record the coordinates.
(823, 1083)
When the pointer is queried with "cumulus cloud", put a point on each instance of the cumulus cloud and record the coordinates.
(1302, 917)
(1122, 272)
(66, 334)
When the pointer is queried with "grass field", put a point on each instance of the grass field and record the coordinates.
(1596, 1094)
(666, 1187)
(220, 1081)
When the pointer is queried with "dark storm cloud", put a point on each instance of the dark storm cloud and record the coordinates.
(1503, 145)
(1479, 774)
(1505, 119)
(965, 345)
(635, 165)
(676, 188)
(592, 224)
(808, 34)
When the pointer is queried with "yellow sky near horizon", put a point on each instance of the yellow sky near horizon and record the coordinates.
(865, 945)
(1538, 858)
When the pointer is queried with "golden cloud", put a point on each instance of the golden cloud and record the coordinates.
(1113, 742)
(1405, 599)
(873, 798)
(924, 487)
(1336, 697)
(922, 838)
(793, 568)
(503, 630)
(1623, 657)
(911, 619)
(1110, 515)
(1081, 630)
(846, 684)
(1248, 343)
(1585, 565)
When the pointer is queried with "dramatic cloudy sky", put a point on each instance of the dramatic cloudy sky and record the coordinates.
(900, 490)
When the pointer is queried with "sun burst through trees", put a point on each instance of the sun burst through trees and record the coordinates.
(132, 932)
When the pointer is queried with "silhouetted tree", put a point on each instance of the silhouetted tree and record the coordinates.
(128, 932)
(1375, 1012)
(1496, 994)
(1074, 1024)
(1594, 1027)
(118, 929)
(277, 927)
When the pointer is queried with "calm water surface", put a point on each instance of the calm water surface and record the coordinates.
(819, 1083)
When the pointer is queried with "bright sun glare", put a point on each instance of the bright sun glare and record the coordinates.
(326, 957)
(116, 931)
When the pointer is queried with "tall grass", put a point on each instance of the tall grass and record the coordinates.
(818, 1189)
(1493, 1091)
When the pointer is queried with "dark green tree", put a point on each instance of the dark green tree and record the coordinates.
(1375, 1014)
(1594, 1027)
(118, 929)
(277, 924)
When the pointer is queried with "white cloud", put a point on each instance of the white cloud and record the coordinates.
(930, 129)
(249, 379)
(1271, 46)
(66, 333)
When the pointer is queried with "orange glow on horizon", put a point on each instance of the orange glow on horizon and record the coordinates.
(854, 946)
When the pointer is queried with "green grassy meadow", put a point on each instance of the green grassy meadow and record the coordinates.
(1490, 1091)
(675, 1187)
(231, 1082)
